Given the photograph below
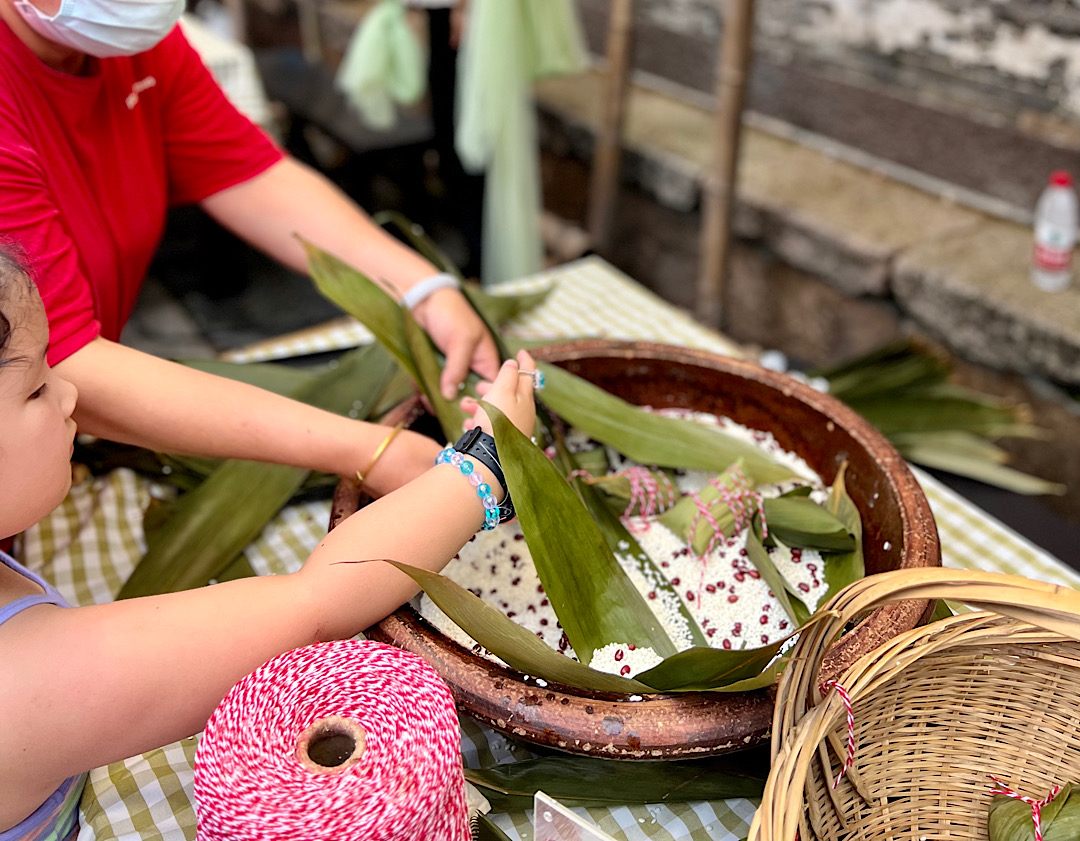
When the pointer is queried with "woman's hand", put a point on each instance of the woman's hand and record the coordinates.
(458, 332)
(511, 393)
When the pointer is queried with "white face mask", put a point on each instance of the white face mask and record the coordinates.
(105, 28)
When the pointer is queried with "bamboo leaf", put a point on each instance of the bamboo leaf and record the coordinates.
(496, 310)
(507, 640)
(942, 610)
(955, 441)
(357, 295)
(908, 412)
(721, 670)
(595, 461)
(586, 781)
(623, 543)
(965, 461)
(1061, 816)
(843, 568)
(594, 599)
(400, 388)
(210, 525)
(701, 669)
(1010, 819)
(428, 367)
(888, 352)
(685, 516)
(797, 521)
(617, 485)
(194, 466)
(499, 309)
(239, 568)
(100, 456)
(649, 438)
(416, 237)
(779, 585)
(890, 376)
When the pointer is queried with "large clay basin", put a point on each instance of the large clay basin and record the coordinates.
(899, 533)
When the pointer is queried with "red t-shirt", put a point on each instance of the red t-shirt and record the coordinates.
(90, 164)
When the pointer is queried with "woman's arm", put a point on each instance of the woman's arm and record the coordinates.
(289, 198)
(97, 684)
(129, 396)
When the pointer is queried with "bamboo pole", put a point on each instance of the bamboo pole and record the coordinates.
(310, 30)
(719, 183)
(605, 173)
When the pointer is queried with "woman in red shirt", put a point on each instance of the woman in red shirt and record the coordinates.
(107, 118)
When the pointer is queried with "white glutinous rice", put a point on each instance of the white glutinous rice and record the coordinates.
(723, 591)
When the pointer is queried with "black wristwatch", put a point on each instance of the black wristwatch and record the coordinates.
(478, 445)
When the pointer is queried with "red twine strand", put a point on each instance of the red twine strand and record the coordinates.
(1036, 805)
(741, 499)
(407, 786)
(849, 709)
(648, 497)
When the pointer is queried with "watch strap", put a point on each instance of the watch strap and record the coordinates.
(479, 445)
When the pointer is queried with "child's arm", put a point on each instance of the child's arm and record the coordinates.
(130, 396)
(86, 686)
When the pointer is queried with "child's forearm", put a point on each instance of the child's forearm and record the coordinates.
(130, 396)
(423, 528)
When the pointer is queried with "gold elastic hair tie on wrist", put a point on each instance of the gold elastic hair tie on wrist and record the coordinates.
(379, 450)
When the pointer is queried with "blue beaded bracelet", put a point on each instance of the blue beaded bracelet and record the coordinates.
(483, 489)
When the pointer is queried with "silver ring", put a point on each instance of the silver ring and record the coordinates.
(537, 378)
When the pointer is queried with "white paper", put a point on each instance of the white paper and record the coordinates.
(554, 822)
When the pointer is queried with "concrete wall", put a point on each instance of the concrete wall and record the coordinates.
(1016, 61)
(1010, 55)
(983, 96)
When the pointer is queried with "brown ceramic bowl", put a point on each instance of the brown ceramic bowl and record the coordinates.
(899, 533)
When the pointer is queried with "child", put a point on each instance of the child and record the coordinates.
(82, 687)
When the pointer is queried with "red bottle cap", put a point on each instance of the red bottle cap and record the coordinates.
(1061, 178)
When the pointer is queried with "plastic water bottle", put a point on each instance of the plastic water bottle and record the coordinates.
(1055, 233)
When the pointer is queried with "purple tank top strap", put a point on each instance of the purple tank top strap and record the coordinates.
(49, 594)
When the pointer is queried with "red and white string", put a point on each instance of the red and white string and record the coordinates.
(648, 496)
(1036, 805)
(407, 786)
(849, 710)
(738, 496)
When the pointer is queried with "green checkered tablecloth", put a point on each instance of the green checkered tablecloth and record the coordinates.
(92, 542)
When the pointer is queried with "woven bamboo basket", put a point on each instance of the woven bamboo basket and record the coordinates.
(936, 710)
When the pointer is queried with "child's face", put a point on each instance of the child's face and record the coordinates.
(37, 433)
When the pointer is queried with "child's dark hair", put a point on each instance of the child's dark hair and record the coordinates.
(13, 273)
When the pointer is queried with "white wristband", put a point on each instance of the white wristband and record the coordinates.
(423, 290)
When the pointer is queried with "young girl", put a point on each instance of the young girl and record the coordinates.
(82, 687)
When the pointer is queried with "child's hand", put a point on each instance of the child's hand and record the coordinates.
(511, 393)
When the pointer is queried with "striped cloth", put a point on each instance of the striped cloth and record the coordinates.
(57, 819)
(92, 542)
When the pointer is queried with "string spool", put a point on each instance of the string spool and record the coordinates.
(341, 741)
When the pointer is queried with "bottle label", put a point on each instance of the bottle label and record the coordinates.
(1052, 259)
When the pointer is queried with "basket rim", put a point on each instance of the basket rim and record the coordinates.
(1014, 612)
